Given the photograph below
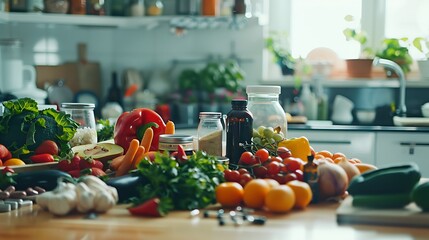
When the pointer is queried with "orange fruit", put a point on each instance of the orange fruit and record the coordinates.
(364, 167)
(229, 194)
(14, 162)
(338, 159)
(325, 153)
(271, 182)
(280, 199)
(303, 193)
(338, 154)
(255, 192)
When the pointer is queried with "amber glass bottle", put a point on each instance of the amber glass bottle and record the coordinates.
(239, 127)
(210, 8)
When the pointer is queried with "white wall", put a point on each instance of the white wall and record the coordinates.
(146, 50)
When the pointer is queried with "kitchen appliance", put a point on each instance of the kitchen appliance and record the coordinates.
(15, 77)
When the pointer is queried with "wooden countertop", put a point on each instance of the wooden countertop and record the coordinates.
(316, 222)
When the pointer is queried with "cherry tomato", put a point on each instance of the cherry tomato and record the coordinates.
(262, 155)
(242, 171)
(273, 167)
(244, 179)
(299, 175)
(247, 158)
(283, 152)
(290, 177)
(260, 171)
(231, 175)
(276, 159)
(280, 178)
(293, 163)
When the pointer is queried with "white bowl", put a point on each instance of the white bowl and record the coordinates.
(425, 110)
(365, 116)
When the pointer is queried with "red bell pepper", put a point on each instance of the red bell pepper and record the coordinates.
(132, 125)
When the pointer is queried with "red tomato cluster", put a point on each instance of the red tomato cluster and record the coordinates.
(283, 168)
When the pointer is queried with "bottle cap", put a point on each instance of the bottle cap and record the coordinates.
(210, 114)
(239, 102)
(261, 89)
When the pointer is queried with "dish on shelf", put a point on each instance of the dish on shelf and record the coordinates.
(411, 121)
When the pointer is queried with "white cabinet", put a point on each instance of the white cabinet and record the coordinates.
(352, 143)
(404, 147)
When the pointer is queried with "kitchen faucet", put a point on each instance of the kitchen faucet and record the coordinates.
(402, 109)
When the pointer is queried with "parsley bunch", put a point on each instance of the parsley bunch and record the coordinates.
(188, 184)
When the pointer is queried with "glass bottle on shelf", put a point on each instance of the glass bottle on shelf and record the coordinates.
(117, 8)
(18, 5)
(154, 8)
(95, 7)
(78, 7)
(137, 8)
(210, 7)
(115, 94)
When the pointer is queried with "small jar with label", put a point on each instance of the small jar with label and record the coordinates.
(83, 114)
(170, 142)
(210, 133)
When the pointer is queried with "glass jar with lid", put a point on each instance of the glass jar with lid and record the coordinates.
(210, 133)
(83, 114)
(263, 103)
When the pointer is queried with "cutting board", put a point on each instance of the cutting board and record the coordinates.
(81, 75)
(410, 216)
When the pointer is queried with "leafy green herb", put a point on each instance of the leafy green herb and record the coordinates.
(188, 184)
(105, 130)
(23, 127)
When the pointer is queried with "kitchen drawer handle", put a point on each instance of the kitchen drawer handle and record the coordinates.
(331, 142)
(412, 145)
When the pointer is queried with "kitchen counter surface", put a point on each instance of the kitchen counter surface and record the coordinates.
(316, 222)
(357, 128)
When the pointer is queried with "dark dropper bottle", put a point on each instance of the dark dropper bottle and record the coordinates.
(239, 128)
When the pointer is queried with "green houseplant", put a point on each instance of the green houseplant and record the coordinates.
(396, 49)
(422, 44)
(281, 56)
(360, 67)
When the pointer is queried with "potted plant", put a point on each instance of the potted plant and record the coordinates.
(396, 49)
(218, 75)
(422, 44)
(281, 56)
(360, 67)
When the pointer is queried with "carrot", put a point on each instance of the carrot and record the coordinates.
(116, 162)
(138, 157)
(128, 158)
(147, 139)
(169, 127)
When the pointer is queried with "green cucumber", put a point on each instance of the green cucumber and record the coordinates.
(390, 180)
(382, 201)
(46, 179)
(420, 196)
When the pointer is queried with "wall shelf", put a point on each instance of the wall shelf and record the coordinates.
(188, 22)
(355, 83)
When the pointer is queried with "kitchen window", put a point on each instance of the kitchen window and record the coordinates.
(311, 24)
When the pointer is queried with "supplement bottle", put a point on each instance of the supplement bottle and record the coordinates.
(265, 107)
(239, 127)
(210, 132)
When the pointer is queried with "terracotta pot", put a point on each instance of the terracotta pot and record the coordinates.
(359, 68)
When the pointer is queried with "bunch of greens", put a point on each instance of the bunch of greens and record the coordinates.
(23, 127)
(104, 130)
(187, 184)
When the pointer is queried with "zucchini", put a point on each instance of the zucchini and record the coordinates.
(46, 179)
(127, 185)
(382, 201)
(390, 180)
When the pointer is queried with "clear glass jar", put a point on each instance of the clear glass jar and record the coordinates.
(83, 114)
(210, 133)
(263, 103)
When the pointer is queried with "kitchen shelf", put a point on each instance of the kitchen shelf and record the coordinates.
(356, 83)
(188, 22)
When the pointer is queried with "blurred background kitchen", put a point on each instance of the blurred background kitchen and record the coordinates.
(180, 57)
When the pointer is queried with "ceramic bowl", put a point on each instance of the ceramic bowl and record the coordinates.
(365, 116)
